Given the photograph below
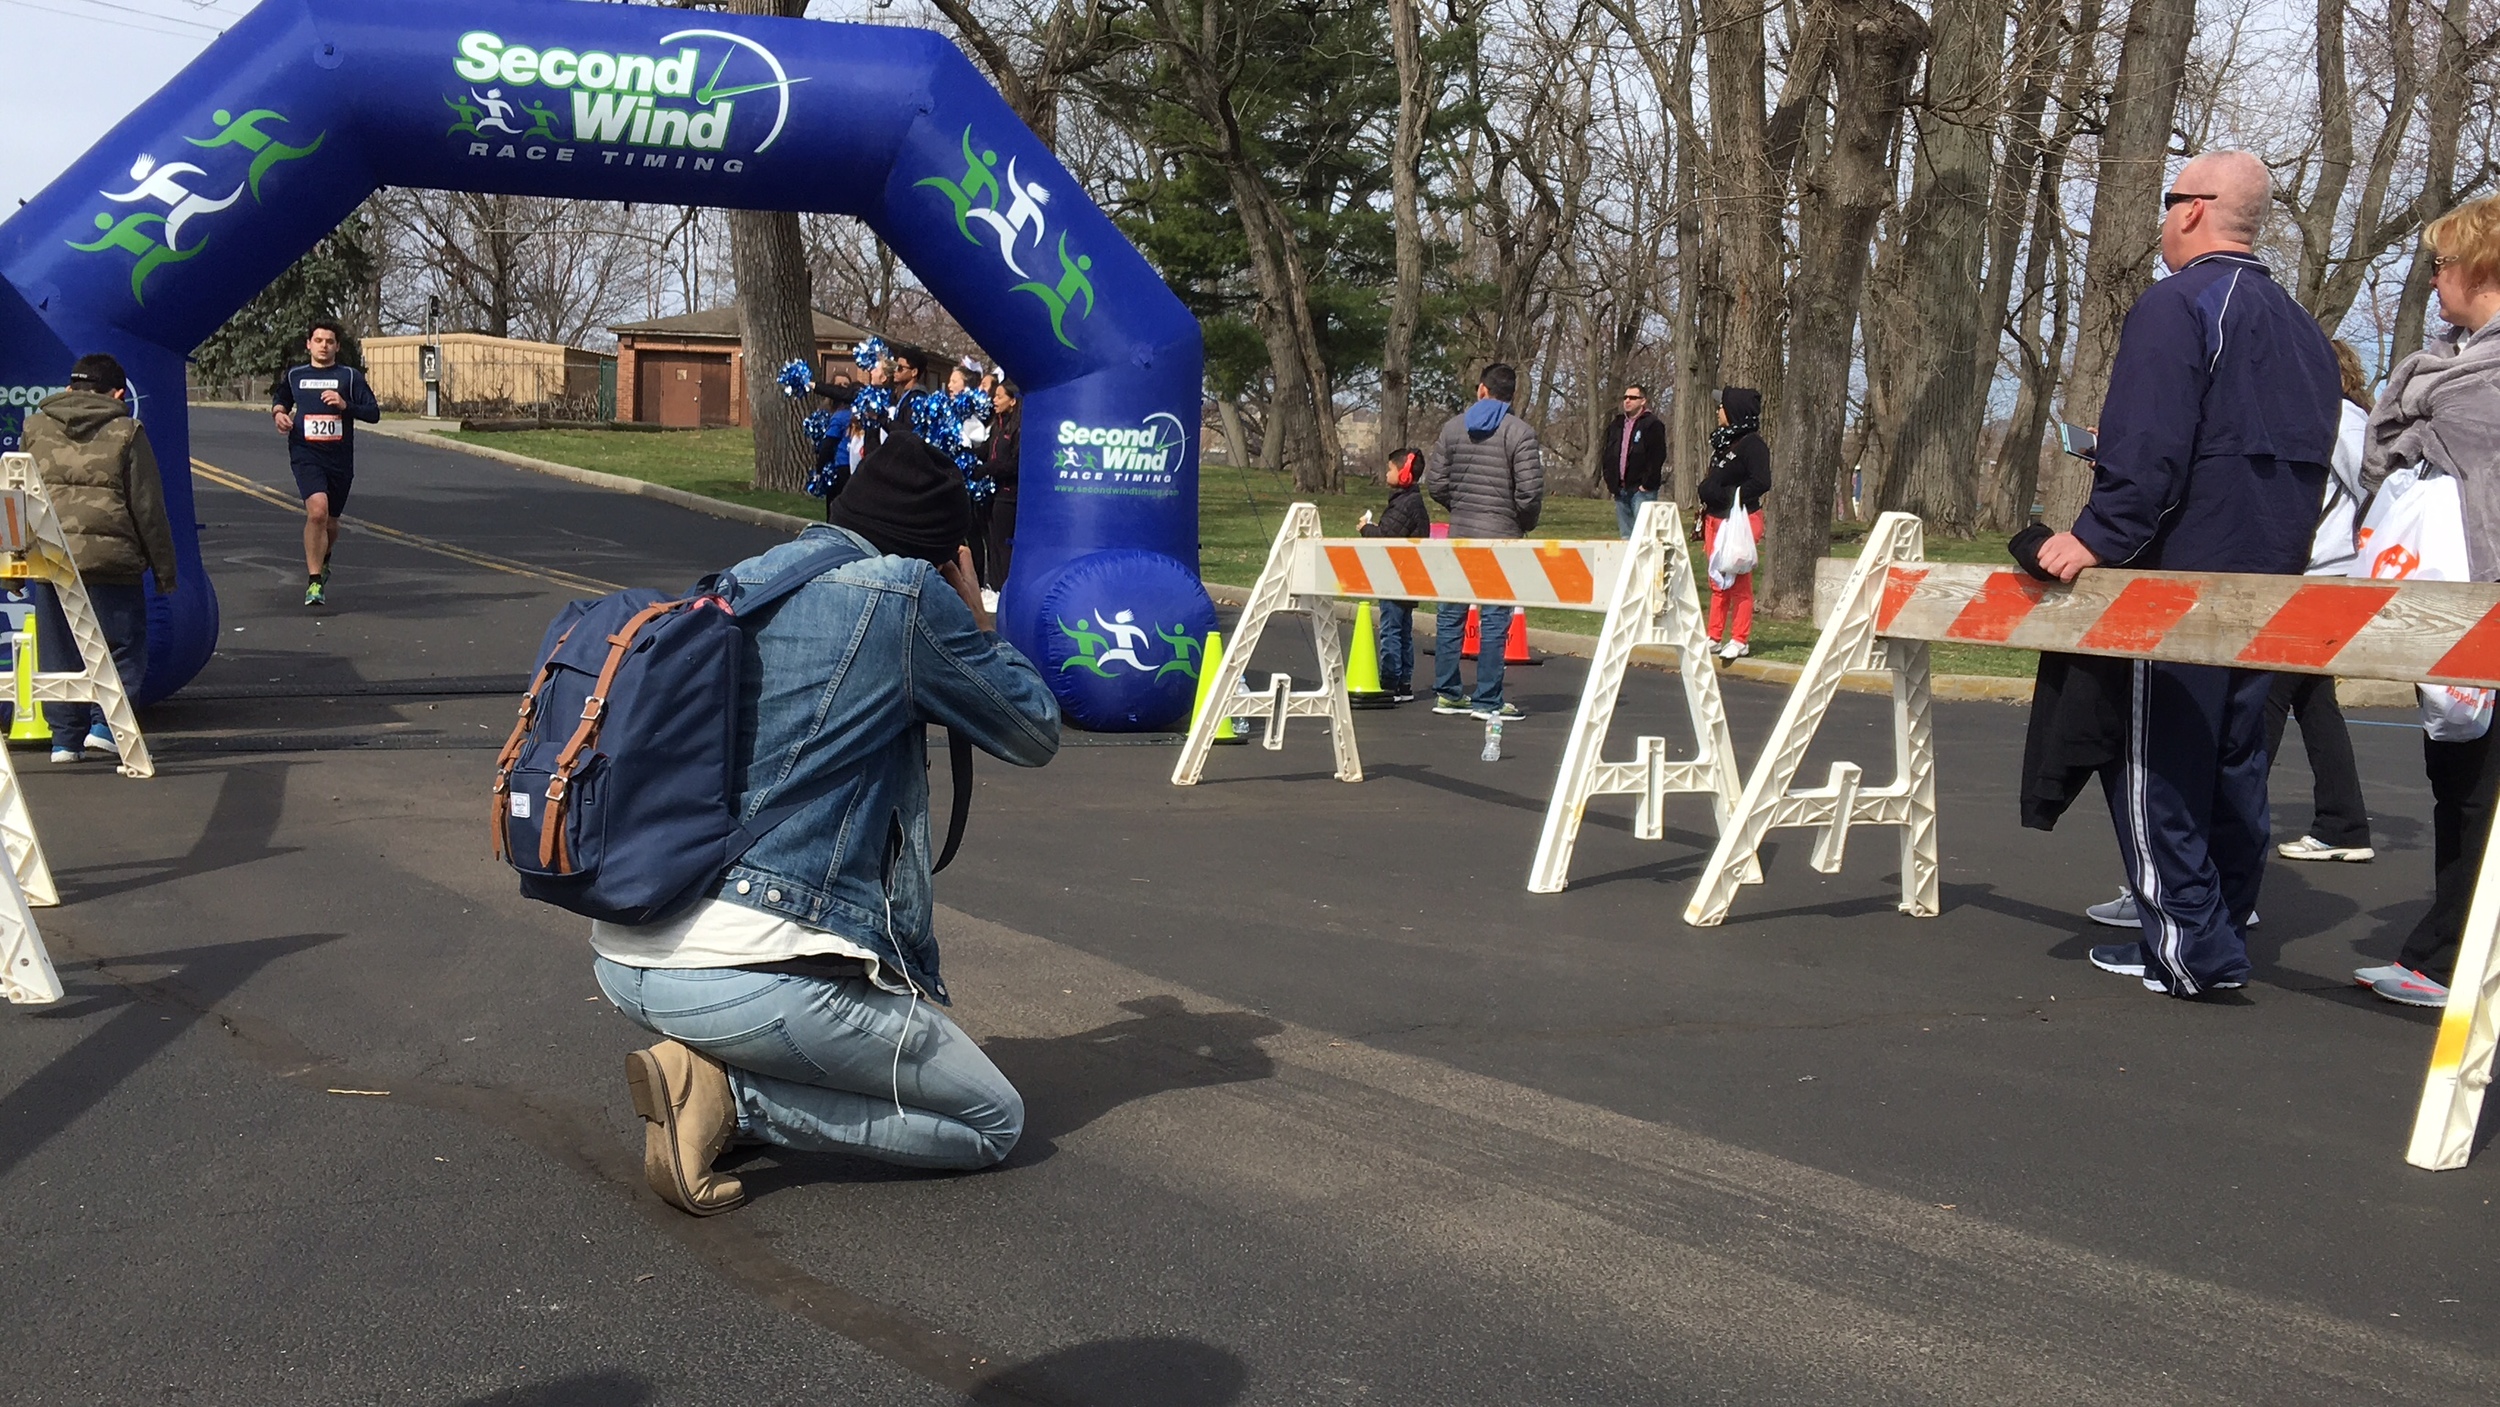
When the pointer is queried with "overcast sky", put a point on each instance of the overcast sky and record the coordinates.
(79, 66)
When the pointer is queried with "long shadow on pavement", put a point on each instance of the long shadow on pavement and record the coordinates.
(237, 832)
(81, 1076)
(1138, 1372)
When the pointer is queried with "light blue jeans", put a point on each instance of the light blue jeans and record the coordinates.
(812, 1062)
(1628, 507)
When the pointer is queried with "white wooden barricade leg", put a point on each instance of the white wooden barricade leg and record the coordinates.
(2461, 1059)
(26, 975)
(1226, 698)
(98, 681)
(1848, 642)
(1654, 603)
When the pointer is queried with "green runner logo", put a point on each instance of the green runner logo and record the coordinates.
(1021, 226)
(1125, 637)
(154, 238)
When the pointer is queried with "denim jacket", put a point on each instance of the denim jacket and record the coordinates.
(840, 679)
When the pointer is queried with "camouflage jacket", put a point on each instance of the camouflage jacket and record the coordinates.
(104, 485)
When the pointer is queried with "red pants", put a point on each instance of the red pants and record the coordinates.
(1740, 594)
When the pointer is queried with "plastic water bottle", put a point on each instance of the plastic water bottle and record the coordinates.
(1492, 740)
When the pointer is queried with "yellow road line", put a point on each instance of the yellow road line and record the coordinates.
(225, 479)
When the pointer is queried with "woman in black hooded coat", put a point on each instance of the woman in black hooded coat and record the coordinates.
(1740, 474)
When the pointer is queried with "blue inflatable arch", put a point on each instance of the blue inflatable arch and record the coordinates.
(222, 179)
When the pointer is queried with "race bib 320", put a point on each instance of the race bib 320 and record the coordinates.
(324, 429)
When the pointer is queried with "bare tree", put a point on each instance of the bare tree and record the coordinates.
(1874, 53)
(1058, 40)
(1935, 437)
(2126, 199)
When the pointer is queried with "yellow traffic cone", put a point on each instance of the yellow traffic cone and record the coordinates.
(26, 723)
(1211, 660)
(1362, 666)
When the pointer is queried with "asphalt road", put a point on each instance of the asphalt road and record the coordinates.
(1326, 1108)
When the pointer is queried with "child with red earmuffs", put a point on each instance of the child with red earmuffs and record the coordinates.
(1404, 516)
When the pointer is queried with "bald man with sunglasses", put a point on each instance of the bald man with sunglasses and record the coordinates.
(2214, 443)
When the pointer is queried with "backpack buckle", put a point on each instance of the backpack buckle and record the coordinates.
(592, 707)
(555, 788)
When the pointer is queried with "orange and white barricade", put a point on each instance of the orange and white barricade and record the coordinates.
(1894, 603)
(1645, 586)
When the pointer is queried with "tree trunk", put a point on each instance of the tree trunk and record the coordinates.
(1935, 438)
(776, 317)
(2451, 81)
(1406, 297)
(2126, 212)
(1874, 55)
(1746, 221)
(2016, 482)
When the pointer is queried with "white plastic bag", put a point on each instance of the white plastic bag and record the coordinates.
(1733, 553)
(2415, 531)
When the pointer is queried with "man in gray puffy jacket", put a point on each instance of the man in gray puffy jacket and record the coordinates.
(1489, 471)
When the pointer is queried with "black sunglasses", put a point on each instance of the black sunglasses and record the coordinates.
(2178, 198)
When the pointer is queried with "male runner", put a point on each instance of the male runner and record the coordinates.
(315, 407)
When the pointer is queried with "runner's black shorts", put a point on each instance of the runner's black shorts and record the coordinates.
(311, 479)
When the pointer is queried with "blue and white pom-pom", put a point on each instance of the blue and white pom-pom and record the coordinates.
(797, 379)
(982, 489)
(818, 425)
(820, 482)
(867, 354)
(933, 420)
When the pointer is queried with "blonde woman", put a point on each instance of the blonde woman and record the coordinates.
(2442, 406)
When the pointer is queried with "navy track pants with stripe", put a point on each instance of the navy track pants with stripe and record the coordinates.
(2189, 801)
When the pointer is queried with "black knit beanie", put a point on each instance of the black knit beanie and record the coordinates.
(908, 500)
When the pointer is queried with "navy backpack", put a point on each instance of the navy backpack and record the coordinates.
(615, 797)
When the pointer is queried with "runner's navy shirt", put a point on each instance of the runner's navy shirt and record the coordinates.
(2223, 406)
(325, 438)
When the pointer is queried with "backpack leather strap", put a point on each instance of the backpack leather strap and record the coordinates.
(504, 761)
(553, 854)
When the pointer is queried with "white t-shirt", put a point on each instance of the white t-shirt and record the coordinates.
(717, 933)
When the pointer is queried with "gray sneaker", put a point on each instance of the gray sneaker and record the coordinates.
(1508, 713)
(1450, 704)
(2117, 913)
(2412, 989)
(2121, 912)
(2372, 976)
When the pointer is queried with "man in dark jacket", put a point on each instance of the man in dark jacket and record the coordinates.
(2214, 444)
(1631, 456)
(101, 475)
(1489, 471)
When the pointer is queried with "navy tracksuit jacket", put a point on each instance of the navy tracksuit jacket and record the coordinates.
(2214, 443)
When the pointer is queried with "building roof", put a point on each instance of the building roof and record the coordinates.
(723, 322)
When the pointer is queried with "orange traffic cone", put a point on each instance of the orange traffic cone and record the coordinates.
(1473, 645)
(1515, 649)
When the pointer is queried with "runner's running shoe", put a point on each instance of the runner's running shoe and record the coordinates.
(314, 594)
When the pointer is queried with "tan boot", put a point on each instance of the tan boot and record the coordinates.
(684, 1095)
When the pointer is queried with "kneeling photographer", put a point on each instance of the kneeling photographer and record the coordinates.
(797, 995)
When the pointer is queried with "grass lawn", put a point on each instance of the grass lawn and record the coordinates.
(714, 463)
(1238, 514)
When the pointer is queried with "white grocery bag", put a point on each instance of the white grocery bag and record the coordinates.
(2415, 531)
(1733, 552)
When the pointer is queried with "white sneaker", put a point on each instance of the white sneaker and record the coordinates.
(68, 754)
(1734, 649)
(2309, 847)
